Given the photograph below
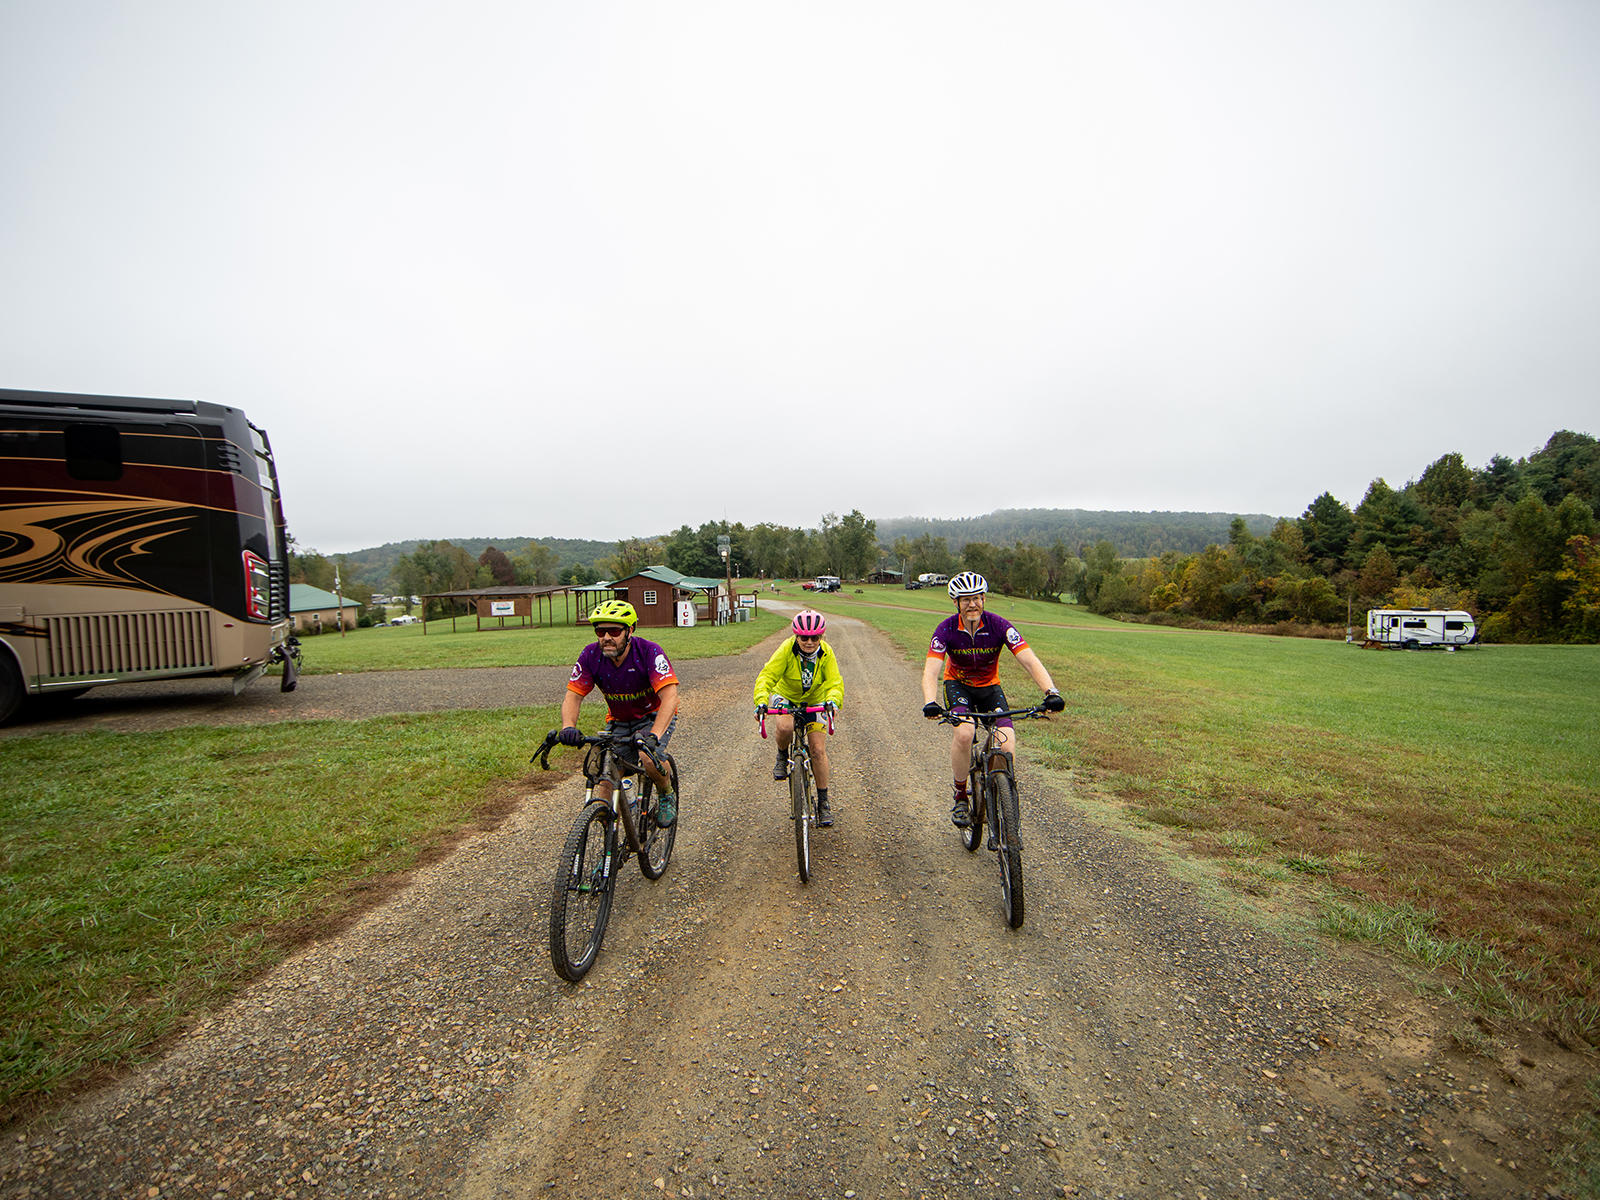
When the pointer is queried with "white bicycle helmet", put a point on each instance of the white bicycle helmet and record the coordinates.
(968, 583)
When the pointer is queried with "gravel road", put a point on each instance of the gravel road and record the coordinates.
(877, 1032)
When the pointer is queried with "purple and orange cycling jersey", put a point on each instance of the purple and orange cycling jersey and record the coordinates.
(629, 686)
(974, 658)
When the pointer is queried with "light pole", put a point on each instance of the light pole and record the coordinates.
(724, 545)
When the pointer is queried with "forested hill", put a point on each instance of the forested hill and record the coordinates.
(372, 566)
(1135, 534)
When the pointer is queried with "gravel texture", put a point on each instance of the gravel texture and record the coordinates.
(877, 1032)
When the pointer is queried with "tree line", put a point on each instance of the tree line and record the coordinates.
(1514, 543)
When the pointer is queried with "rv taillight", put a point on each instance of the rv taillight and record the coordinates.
(257, 588)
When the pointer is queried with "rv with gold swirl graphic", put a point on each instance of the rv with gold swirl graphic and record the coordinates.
(139, 539)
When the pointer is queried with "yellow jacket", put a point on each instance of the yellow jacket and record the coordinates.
(782, 675)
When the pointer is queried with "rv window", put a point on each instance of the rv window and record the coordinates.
(94, 452)
(1455, 624)
(1415, 624)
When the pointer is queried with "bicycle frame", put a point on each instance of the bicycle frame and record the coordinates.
(607, 766)
(801, 792)
(992, 793)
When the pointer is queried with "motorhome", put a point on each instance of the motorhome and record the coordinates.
(1417, 628)
(139, 539)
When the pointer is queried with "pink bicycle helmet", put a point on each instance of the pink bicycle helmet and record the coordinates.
(809, 623)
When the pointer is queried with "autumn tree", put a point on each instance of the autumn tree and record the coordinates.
(498, 564)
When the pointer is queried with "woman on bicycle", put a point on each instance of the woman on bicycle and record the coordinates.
(965, 652)
(638, 683)
(803, 672)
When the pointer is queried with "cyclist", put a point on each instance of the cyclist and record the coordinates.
(803, 672)
(965, 652)
(638, 683)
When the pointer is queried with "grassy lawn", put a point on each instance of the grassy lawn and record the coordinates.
(409, 647)
(1446, 805)
(199, 856)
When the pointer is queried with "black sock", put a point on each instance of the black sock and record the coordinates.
(822, 793)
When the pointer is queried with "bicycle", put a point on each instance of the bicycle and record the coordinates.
(604, 834)
(992, 797)
(802, 783)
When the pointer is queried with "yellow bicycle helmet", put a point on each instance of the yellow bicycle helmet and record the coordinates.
(619, 611)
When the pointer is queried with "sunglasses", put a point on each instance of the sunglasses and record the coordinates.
(609, 631)
(808, 637)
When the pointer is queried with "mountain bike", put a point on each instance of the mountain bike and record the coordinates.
(802, 783)
(602, 837)
(992, 798)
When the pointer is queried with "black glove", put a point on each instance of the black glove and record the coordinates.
(571, 735)
(650, 744)
(1053, 701)
(932, 709)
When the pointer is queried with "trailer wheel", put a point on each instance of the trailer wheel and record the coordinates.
(11, 689)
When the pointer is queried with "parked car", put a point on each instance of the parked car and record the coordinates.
(405, 619)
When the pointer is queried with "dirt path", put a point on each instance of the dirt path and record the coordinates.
(878, 1032)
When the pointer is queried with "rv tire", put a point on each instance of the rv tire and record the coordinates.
(12, 692)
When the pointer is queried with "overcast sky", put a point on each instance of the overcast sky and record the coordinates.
(604, 269)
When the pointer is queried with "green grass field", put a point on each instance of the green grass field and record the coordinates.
(1445, 805)
(413, 648)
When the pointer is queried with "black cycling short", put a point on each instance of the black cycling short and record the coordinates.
(961, 697)
(635, 730)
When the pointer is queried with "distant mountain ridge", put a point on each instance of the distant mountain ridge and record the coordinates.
(1135, 534)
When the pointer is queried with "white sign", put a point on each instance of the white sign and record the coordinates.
(502, 608)
(748, 600)
(685, 612)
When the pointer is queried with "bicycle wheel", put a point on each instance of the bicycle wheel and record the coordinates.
(656, 851)
(580, 905)
(800, 804)
(1008, 835)
(972, 835)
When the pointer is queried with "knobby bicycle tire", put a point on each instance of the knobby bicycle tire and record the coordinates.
(972, 835)
(1008, 829)
(800, 809)
(580, 904)
(657, 841)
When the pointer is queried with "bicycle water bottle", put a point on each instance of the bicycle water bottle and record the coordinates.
(630, 799)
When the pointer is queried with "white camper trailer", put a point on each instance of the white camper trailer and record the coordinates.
(1416, 628)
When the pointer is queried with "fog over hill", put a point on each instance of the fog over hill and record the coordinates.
(1134, 534)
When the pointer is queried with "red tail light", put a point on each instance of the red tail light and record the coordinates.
(257, 588)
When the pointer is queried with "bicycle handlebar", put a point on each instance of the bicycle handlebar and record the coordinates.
(607, 737)
(794, 710)
(985, 718)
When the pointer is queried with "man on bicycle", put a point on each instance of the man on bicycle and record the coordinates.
(965, 652)
(638, 683)
(803, 672)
